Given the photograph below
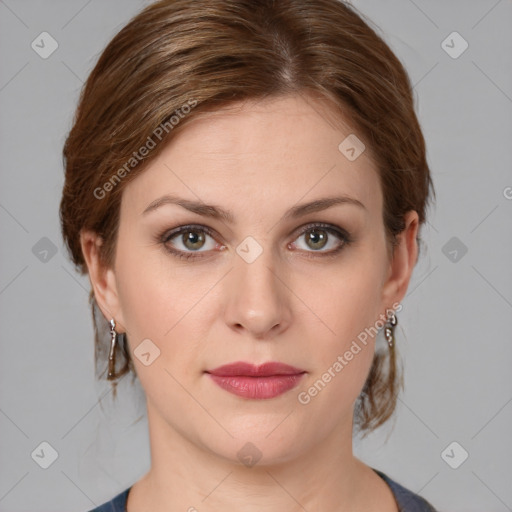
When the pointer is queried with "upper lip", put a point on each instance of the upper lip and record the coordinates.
(251, 370)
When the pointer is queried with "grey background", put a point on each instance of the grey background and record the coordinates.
(454, 330)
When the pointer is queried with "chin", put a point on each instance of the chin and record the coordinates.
(257, 446)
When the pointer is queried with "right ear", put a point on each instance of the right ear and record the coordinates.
(103, 279)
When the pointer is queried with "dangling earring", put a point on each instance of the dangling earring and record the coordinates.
(389, 330)
(111, 356)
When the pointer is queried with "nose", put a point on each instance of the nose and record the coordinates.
(257, 298)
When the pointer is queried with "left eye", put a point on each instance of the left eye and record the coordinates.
(319, 237)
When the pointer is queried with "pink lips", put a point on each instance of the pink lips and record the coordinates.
(262, 382)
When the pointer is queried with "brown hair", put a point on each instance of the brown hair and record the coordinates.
(178, 59)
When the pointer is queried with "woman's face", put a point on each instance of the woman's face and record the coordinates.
(264, 285)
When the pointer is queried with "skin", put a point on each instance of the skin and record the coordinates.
(257, 161)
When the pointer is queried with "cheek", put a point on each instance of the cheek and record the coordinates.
(147, 290)
(350, 302)
(349, 308)
(163, 302)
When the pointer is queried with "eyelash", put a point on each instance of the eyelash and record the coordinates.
(165, 237)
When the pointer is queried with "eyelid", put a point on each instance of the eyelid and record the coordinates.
(342, 234)
(168, 234)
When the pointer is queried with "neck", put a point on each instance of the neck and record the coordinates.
(187, 475)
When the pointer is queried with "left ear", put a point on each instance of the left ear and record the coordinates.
(402, 262)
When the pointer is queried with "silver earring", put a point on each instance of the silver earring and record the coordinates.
(111, 356)
(389, 330)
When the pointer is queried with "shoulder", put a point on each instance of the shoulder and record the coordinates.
(116, 504)
(407, 500)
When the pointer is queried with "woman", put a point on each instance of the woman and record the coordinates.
(245, 183)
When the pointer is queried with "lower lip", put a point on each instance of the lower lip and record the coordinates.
(257, 387)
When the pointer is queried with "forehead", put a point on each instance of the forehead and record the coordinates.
(273, 152)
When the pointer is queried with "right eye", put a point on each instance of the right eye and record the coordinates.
(184, 241)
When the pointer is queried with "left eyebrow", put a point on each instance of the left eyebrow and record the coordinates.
(321, 204)
(216, 212)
